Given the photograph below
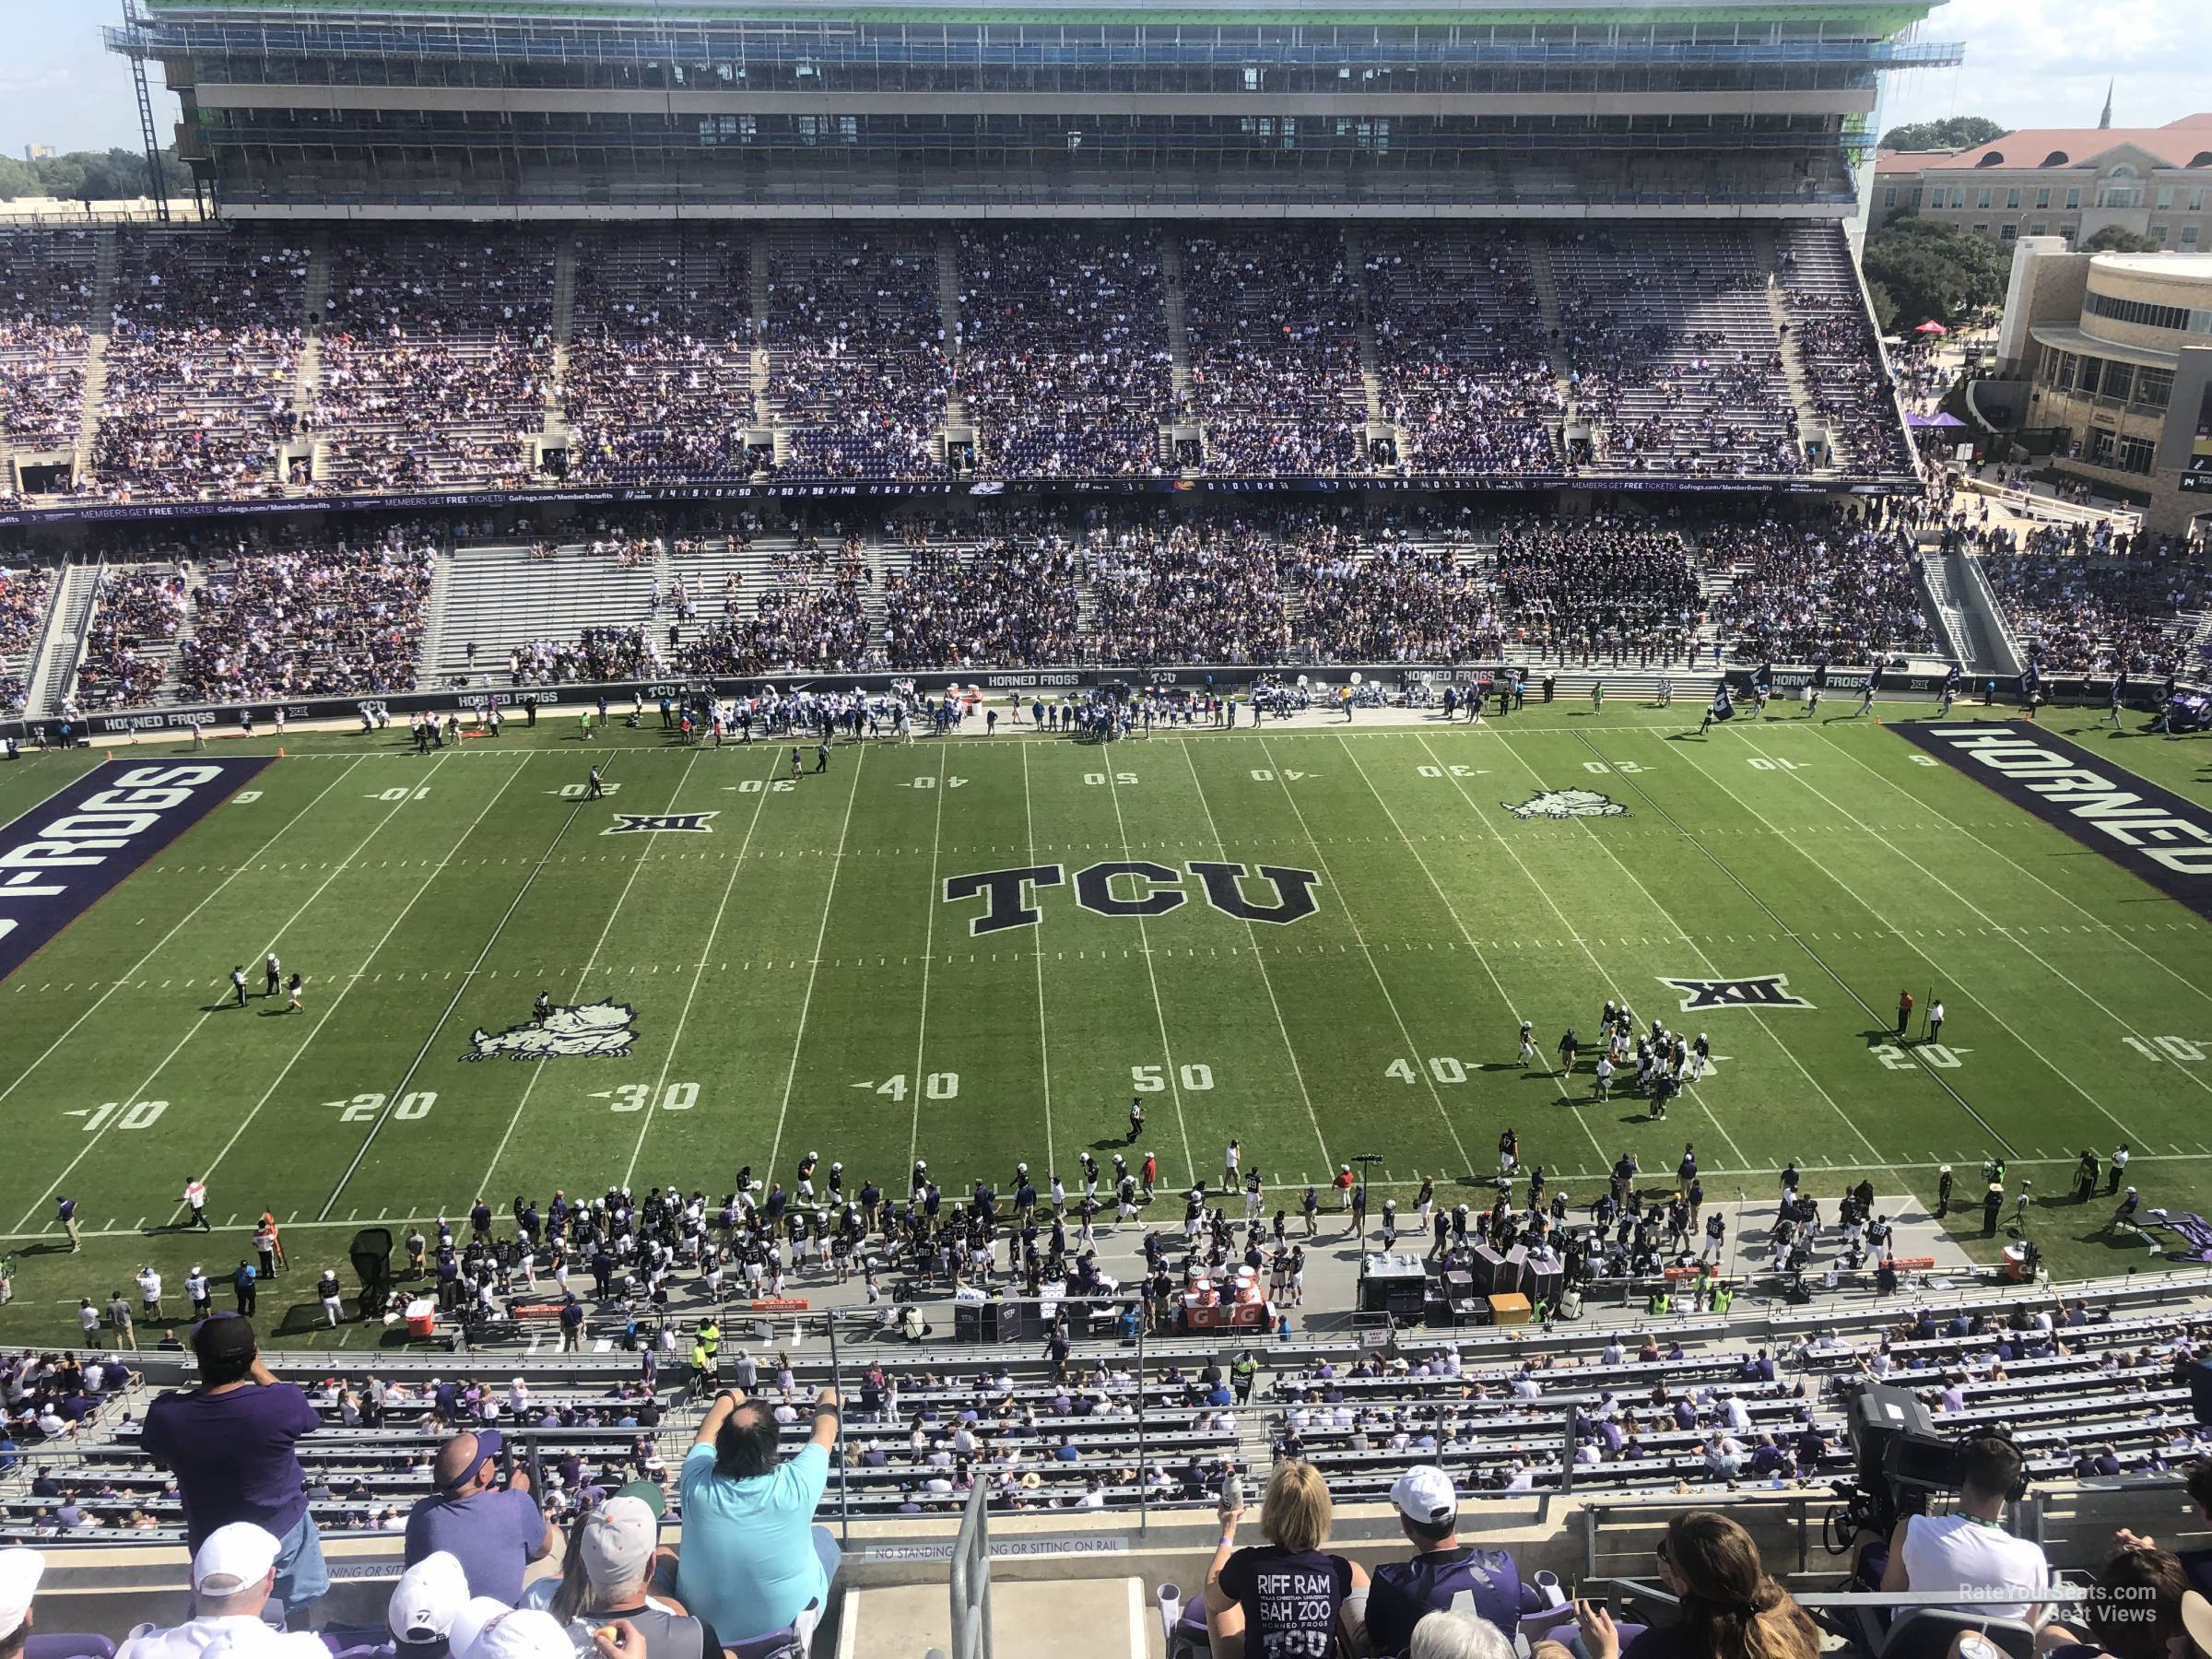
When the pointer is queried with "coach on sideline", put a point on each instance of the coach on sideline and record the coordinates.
(753, 1562)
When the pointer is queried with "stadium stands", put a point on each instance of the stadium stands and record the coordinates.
(1815, 592)
(2078, 614)
(46, 283)
(660, 373)
(436, 350)
(202, 365)
(857, 364)
(24, 595)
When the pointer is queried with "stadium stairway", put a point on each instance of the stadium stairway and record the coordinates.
(1971, 613)
(100, 318)
(53, 674)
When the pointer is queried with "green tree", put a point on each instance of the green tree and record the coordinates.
(1930, 271)
(1955, 132)
(16, 179)
(1885, 307)
(2113, 240)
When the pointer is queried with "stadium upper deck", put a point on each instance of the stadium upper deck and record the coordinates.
(1468, 106)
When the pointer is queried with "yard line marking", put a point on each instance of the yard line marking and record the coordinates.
(1498, 985)
(407, 1077)
(1412, 1047)
(155, 950)
(94, 1139)
(1160, 1010)
(929, 947)
(2039, 957)
(706, 952)
(837, 864)
(1252, 933)
(1044, 1056)
(331, 1007)
(1860, 900)
(2098, 922)
(636, 866)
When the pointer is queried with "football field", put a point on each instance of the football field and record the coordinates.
(1329, 939)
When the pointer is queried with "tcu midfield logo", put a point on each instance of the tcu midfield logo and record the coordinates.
(1134, 888)
(599, 1031)
(1765, 990)
(1566, 803)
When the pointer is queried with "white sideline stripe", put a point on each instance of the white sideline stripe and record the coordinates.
(706, 955)
(1472, 1184)
(1138, 1635)
(929, 952)
(332, 1007)
(407, 1077)
(791, 1075)
(139, 965)
(93, 1141)
(637, 865)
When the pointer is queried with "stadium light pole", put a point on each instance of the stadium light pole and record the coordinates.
(1366, 1162)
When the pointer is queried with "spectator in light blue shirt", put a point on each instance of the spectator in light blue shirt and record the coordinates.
(753, 1562)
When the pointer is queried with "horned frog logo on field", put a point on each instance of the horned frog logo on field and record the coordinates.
(1566, 803)
(599, 1031)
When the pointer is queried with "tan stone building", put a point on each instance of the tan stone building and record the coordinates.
(2064, 181)
(2116, 351)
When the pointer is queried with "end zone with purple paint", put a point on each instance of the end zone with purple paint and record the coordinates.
(67, 854)
(2151, 831)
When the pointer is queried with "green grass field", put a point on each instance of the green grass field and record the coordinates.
(797, 985)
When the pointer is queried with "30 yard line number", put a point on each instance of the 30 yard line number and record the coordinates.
(632, 1096)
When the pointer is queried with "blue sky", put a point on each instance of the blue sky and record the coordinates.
(2030, 62)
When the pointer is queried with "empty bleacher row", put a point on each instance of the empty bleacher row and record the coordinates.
(204, 363)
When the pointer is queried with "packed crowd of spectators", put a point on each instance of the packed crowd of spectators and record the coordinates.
(1063, 363)
(1206, 590)
(436, 354)
(203, 364)
(605, 651)
(23, 596)
(335, 616)
(811, 619)
(1460, 349)
(857, 364)
(2073, 612)
(1389, 597)
(1272, 318)
(1846, 383)
(45, 305)
(1835, 589)
(1595, 588)
(660, 373)
(132, 640)
(1011, 599)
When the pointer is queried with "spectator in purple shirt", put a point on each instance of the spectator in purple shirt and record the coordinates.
(230, 1443)
(492, 1527)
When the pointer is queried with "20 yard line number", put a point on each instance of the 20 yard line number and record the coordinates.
(412, 1108)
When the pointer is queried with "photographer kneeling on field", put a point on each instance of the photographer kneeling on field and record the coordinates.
(1971, 1551)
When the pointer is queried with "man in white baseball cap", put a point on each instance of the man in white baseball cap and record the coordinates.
(1443, 1573)
(486, 1629)
(20, 1570)
(428, 1599)
(233, 1573)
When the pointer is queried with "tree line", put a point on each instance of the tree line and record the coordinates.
(89, 176)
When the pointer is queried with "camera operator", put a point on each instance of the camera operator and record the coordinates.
(1971, 1550)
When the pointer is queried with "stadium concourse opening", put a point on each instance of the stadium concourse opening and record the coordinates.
(1043, 768)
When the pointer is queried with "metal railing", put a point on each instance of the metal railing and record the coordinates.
(971, 1581)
